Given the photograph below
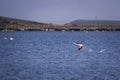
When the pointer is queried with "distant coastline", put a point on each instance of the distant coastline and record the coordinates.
(60, 28)
(11, 24)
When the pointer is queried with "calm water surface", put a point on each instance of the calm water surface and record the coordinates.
(53, 56)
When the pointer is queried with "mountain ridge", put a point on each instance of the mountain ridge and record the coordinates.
(5, 21)
(94, 22)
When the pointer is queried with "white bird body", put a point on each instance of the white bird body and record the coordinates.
(11, 38)
(79, 44)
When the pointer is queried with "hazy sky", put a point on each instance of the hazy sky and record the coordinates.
(60, 11)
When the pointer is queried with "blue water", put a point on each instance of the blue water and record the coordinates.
(53, 56)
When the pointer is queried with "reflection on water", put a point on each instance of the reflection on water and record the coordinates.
(52, 56)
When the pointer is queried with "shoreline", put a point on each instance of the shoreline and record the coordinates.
(60, 28)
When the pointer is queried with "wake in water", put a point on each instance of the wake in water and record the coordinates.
(90, 50)
(100, 51)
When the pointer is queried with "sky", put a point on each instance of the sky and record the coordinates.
(60, 11)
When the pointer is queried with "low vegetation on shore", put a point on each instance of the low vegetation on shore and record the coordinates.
(60, 28)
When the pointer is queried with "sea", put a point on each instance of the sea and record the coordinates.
(47, 55)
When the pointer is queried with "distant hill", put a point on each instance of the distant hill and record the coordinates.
(94, 22)
(12, 24)
(5, 21)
